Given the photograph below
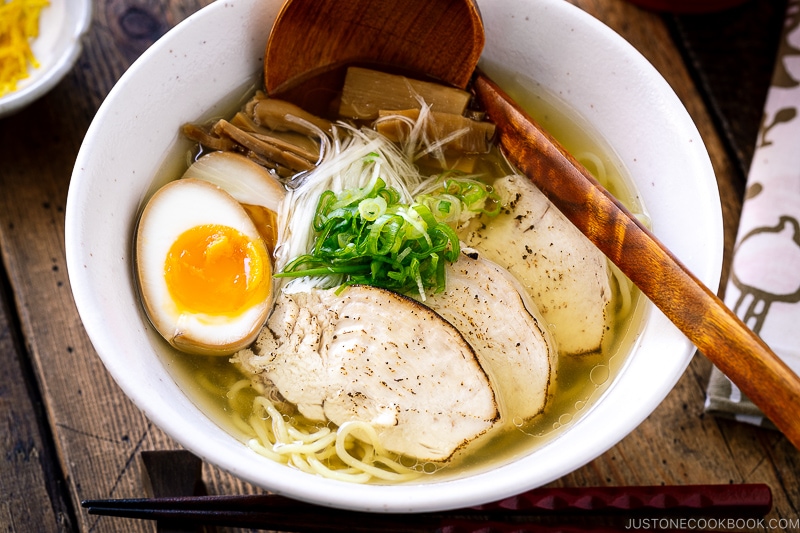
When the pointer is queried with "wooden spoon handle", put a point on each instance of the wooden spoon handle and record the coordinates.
(713, 328)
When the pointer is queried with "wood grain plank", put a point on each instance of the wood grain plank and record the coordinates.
(27, 463)
(733, 92)
(99, 433)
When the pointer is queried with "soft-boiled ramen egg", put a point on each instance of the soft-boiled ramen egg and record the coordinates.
(203, 268)
(250, 183)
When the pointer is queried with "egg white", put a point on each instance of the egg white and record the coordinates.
(245, 180)
(175, 208)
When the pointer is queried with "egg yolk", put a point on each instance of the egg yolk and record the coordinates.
(217, 270)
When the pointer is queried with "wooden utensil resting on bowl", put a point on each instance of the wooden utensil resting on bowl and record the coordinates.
(310, 36)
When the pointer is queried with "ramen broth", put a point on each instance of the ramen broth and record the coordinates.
(581, 379)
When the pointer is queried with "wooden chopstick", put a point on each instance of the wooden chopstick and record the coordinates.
(278, 512)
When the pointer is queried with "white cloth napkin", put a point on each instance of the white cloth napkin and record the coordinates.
(764, 286)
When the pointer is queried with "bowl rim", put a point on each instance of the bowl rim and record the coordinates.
(437, 495)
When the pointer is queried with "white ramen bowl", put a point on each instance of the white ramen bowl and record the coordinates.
(186, 75)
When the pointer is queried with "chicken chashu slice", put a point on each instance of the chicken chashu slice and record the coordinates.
(504, 327)
(564, 273)
(372, 355)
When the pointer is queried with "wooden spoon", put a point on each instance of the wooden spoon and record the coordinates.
(356, 31)
(310, 38)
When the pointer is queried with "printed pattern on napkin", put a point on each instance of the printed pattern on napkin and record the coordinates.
(764, 286)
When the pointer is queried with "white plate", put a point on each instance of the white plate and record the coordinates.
(62, 26)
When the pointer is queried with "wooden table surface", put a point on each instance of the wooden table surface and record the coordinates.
(67, 432)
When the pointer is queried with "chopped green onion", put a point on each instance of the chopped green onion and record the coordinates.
(460, 195)
(372, 208)
(373, 238)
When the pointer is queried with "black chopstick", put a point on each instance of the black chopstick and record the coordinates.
(278, 512)
(351, 522)
(325, 521)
